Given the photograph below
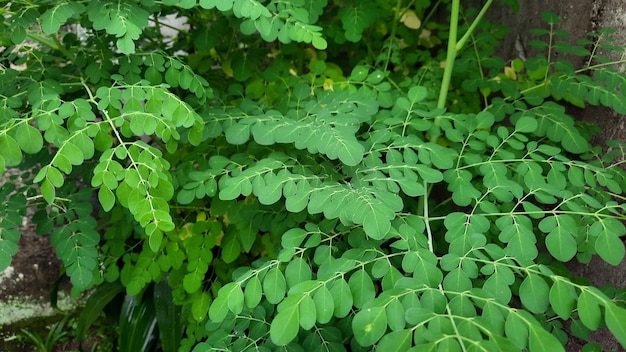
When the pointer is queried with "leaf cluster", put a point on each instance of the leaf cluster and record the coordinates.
(287, 169)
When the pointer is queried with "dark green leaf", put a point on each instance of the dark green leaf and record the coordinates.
(96, 302)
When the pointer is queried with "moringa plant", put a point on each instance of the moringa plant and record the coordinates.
(316, 175)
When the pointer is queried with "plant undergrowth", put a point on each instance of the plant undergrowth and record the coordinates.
(314, 175)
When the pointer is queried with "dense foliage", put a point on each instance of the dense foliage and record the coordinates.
(314, 174)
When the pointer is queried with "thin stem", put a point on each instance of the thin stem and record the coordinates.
(429, 233)
(472, 28)
(394, 27)
(451, 54)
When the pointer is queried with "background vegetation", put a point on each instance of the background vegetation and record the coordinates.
(312, 175)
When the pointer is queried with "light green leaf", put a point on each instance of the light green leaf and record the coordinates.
(293, 237)
(10, 150)
(235, 298)
(274, 286)
(362, 288)
(561, 244)
(589, 310)
(238, 134)
(340, 290)
(516, 330)
(369, 325)
(376, 225)
(53, 18)
(534, 293)
(541, 340)
(106, 198)
(29, 138)
(562, 299)
(200, 306)
(297, 271)
(253, 292)
(526, 124)
(219, 308)
(396, 341)
(610, 247)
(325, 304)
(615, 321)
(308, 312)
(192, 281)
(395, 315)
(47, 191)
(285, 325)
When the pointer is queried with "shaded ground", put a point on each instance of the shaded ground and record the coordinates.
(25, 291)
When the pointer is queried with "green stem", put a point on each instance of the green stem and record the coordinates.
(472, 27)
(394, 26)
(50, 41)
(454, 47)
(450, 55)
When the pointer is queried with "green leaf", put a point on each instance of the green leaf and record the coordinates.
(274, 286)
(534, 293)
(293, 237)
(610, 247)
(395, 315)
(231, 248)
(285, 325)
(238, 134)
(516, 330)
(253, 292)
(325, 304)
(589, 310)
(106, 198)
(541, 340)
(235, 297)
(29, 138)
(297, 271)
(96, 302)
(526, 124)
(168, 316)
(561, 244)
(340, 290)
(308, 312)
(376, 224)
(137, 324)
(417, 94)
(369, 325)
(562, 299)
(47, 191)
(616, 322)
(10, 150)
(398, 341)
(218, 310)
(362, 288)
(200, 306)
(53, 18)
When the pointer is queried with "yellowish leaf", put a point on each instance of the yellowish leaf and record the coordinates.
(410, 19)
